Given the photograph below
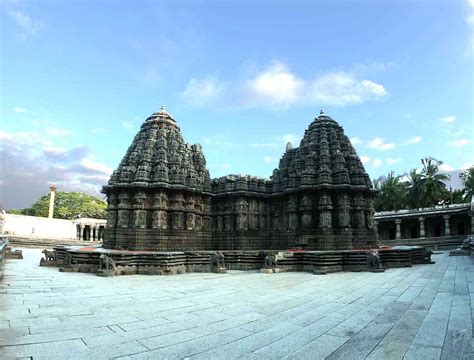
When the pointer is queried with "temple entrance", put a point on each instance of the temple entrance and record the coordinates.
(413, 232)
(461, 228)
(437, 230)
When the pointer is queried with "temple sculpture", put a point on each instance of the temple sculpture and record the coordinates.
(161, 196)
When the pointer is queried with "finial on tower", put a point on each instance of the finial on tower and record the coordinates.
(162, 108)
(321, 112)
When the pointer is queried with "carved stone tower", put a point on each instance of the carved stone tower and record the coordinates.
(161, 196)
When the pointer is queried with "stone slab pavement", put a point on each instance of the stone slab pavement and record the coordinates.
(423, 312)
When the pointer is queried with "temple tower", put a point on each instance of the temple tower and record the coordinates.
(161, 196)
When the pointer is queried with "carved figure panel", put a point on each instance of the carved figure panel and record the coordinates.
(306, 219)
(325, 219)
(177, 220)
(123, 218)
(242, 222)
(292, 220)
(190, 221)
(228, 223)
(111, 218)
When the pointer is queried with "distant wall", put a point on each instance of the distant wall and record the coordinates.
(39, 227)
(3, 245)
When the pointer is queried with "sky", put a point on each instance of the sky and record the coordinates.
(242, 78)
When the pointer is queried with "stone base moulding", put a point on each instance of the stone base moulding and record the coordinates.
(87, 259)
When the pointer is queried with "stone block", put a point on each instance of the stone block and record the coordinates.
(105, 272)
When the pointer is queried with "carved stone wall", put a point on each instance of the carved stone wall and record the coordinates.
(161, 196)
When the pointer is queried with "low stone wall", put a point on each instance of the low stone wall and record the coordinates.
(3, 249)
(433, 243)
(39, 227)
(47, 243)
(86, 259)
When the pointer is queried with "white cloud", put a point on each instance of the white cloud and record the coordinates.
(407, 116)
(365, 160)
(53, 150)
(467, 166)
(276, 84)
(377, 162)
(380, 144)
(57, 132)
(355, 141)
(446, 167)
(448, 119)
(268, 159)
(25, 22)
(341, 89)
(4, 136)
(391, 161)
(415, 140)
(459, 142)
(20, 110)
(95, 166)
(470, 23)
(34, 161)
(202, 91)
(292, 138)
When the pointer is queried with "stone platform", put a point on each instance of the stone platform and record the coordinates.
(423, 312)
(86, 259)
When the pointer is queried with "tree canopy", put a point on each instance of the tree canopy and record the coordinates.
(67, 205)
(421, 188)
(467, 178)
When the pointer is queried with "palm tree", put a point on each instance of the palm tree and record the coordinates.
(467, 177)
(392, 193)
(454, 196)
(430, 188)
(413, 176)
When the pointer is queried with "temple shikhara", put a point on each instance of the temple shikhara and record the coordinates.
(162, 198)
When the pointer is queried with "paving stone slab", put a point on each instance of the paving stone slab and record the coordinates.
(425, 311)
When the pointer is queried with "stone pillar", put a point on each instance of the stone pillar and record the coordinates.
(2, 220)
(398, 234)
(51, 201)
(422, 227)
(447, 228)
(376, 229)
(81, 234)
(472, 223)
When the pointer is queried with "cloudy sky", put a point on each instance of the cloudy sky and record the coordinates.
(241, 77)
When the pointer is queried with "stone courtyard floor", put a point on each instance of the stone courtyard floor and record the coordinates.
(423, 312)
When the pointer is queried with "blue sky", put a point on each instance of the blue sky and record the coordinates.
(241, 78)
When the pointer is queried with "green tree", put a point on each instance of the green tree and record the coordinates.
(454, 196)
(467, 178)
(430, 188)
(68, 205)
(413, 178)
(392, 193)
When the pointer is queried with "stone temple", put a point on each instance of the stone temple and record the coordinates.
(162, 198)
